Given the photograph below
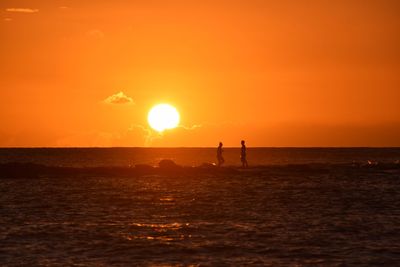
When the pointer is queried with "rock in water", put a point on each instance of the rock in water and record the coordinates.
(168, 164)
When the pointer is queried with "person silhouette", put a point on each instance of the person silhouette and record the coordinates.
(219, 155)
(243, 155)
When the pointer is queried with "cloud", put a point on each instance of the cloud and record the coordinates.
(149, 137)
(95, 34)
(118, 98)
(22, 10)
(193, 127)
(172, 137)
(146, 133)
(135, 136)
(88, 139)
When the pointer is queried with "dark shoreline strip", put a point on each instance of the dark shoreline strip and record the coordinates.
(168, 168)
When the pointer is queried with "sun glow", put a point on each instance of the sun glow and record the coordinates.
(162, 117)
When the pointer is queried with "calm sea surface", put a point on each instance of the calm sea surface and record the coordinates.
(343, 217)
(88, 157)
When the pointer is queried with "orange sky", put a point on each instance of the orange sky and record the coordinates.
(276, 73)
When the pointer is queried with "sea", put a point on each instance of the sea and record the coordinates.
(278, 212)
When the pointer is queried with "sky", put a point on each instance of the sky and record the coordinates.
(275, 73)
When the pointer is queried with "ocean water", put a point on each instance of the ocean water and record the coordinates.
(263, 217)
(89, 157)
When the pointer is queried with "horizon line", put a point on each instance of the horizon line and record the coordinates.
(192, 147)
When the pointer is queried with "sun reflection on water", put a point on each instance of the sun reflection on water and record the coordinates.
(163, 232)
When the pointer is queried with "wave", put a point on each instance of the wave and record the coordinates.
(169, 168)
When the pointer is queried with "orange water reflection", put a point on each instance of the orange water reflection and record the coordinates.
(163, 232)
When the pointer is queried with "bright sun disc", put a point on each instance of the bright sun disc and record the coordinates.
(162, 117)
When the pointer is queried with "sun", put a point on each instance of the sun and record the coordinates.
(162, 117)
